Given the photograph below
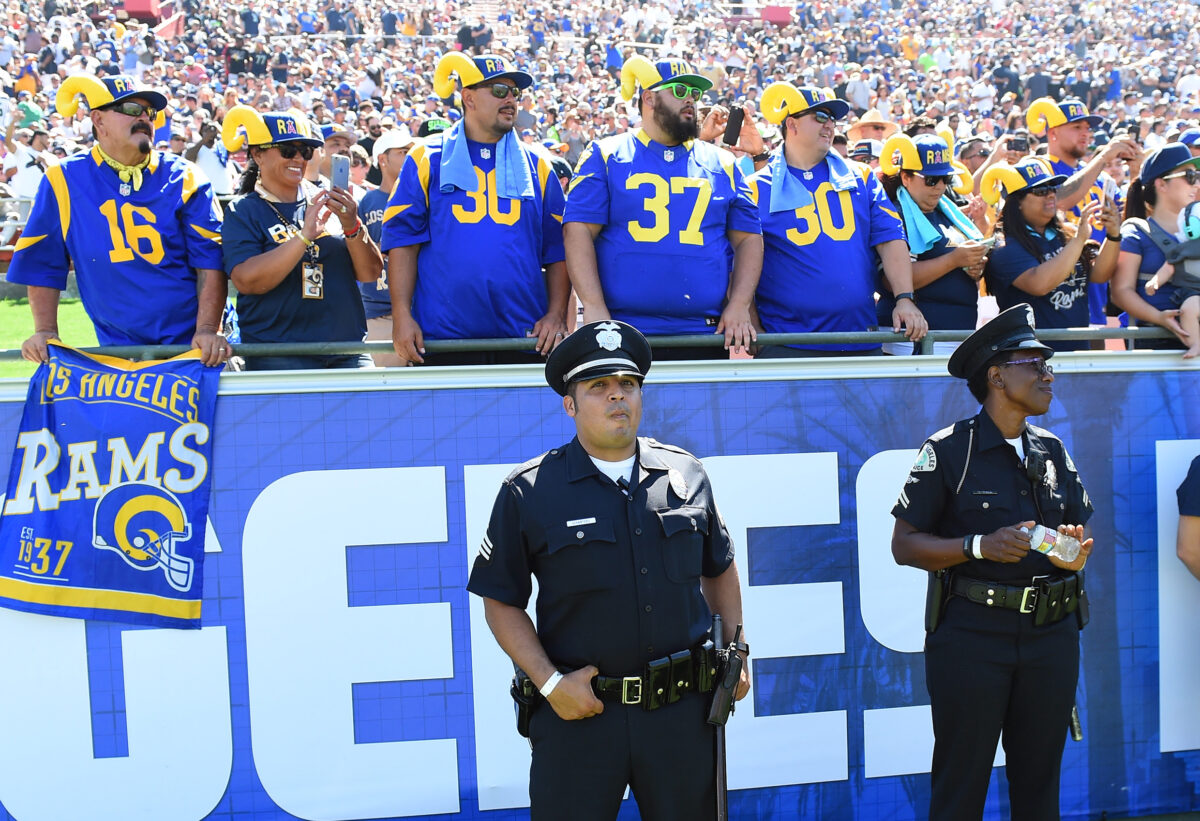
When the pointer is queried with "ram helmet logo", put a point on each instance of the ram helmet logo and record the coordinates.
(144, 523)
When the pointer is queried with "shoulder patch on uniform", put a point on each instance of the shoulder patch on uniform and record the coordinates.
(664, 446)
(926, 459)
(530, 465)
(943, 433)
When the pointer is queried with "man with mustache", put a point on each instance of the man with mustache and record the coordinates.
(141, 227)
(473, 227)
(632, 559)
(661, 229)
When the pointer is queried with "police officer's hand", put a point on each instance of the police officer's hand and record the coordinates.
(573, 698)
(34, 348)
(407, 339)
(1008, 544)
(1085, 548)
(743, 685)
(908, 316)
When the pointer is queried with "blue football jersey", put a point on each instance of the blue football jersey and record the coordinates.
(480, 268)
(376, 299)
(664, 255)
(819, 261)
(135, 252)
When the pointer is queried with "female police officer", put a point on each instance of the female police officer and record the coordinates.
(1005, 656)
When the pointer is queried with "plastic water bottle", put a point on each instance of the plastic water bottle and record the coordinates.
(1053, 543)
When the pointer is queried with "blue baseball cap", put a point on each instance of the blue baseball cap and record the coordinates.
(1190, 136)
(1165, 160)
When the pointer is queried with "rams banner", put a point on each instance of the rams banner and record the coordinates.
(343, 671)
(107, 494)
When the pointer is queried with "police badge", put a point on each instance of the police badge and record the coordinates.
(608, 336)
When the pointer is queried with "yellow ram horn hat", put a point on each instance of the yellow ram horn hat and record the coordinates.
(1043, 114)
(636, 71)
(903, 144)
(964, 181)
(454, 62)
(779, 100)
(244, 125)
(66, 101)
(998, 179)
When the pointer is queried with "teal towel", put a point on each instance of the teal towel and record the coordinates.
(513, 177)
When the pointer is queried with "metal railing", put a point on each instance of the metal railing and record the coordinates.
(144, 352)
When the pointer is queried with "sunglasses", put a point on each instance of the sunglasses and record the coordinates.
(1041, 365)
(358, 163)
(934, 180)
(132, 109)
(501, 90)
(1043, 190)
(289, 150)
(1190, 175)
(682, 91)
(821, 116)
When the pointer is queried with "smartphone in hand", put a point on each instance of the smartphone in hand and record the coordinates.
(733, 127)
(339, 171)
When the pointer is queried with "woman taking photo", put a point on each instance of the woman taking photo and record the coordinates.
(293, 251)
(1043, 262)
(947, 248)
(1165, 185)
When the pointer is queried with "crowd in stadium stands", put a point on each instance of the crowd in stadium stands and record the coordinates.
(363, 71)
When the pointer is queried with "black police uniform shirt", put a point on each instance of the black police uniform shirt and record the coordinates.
(949, 303)
(969, 480)
(1064, 307)
(618, 577)
(1188, 493)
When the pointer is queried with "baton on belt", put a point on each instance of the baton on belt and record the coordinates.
(729, 673)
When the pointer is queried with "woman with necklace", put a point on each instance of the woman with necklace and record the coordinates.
(294, 251)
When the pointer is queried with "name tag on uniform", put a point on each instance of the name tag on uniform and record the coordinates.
(590, 520)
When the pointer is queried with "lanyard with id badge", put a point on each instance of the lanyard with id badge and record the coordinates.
(312, 273)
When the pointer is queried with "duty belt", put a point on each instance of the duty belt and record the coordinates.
(664, 681)
(1049, 599)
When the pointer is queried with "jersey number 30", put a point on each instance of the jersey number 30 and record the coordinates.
(816, 219)
(129, 236)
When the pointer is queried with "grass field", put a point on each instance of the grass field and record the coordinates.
(16, 325)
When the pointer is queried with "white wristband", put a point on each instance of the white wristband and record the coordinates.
(977, 546)
(550, 684)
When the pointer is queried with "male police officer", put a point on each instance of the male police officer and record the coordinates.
(1005, 656)
(631, 556)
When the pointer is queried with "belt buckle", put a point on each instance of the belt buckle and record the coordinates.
(631, 683)
(1028, 599)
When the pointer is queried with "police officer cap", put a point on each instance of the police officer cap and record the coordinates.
(1012, 330)
(598, 349)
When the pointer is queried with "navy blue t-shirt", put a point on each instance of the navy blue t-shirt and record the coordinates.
(1188, 493)
(377, 301)
(950, 302)
(1064, 307)
(282, 314)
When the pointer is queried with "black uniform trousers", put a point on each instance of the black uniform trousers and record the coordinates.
(989, 670)
(580, 768)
